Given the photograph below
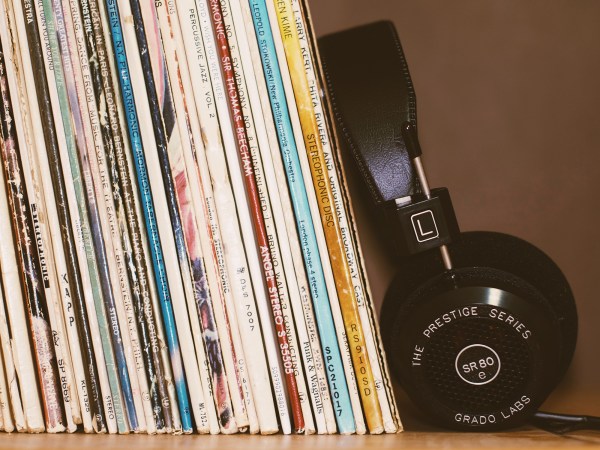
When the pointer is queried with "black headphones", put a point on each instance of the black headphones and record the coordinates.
(478, 327)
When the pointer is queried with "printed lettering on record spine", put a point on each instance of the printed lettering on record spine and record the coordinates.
(158, 262)
(343, 210)
(127, 218)
(224, 221)
(329, 218)
(75, 201)
(29, 126)
(74, 308)
(28, 259)
(252, 193)
(335, 371)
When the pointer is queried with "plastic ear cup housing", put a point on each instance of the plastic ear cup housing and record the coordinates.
(480, 347)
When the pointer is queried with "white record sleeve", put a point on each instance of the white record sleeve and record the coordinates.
(11, 398)
(176, 283)
(268, 192)
(262, 303)
(76, 225)
(19, 74)
(306, 173)
(223, 219)
(275, 173)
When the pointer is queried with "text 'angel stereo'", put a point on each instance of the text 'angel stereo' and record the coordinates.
(479, 327)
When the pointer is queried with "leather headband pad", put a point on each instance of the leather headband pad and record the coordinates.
(372, 95)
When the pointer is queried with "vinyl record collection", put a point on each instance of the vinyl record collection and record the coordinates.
(177, 248)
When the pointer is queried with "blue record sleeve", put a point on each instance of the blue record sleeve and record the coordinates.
(308, 240)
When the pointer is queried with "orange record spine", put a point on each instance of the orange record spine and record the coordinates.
(329, 218)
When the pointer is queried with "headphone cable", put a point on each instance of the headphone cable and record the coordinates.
(564, 423)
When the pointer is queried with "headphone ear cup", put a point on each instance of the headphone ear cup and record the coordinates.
(526, 261)
(498, 251)
(486, 260)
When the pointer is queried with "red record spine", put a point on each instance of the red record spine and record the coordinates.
(216, 16)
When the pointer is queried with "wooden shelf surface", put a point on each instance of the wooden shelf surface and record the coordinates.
(528, 438)
(419, 435)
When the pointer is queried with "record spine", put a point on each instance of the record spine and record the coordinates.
(159, 114)
(258, 147)
(152, 316)
(47, 217)
(170, 138)
(59, 69)
(112, 269)
(223, 218)
(360, 427)
(389, 389)
(342, 209)
(97, 257)
(73, 205)
(331, 223)
(113, 222)
(146, 196)
(160, 270)
(210, 305)
(131, 106)
(243, 380)
(28, 261)
(242, 397)
(13, 412)
(284, 218)
(6, 422)
(218, 280)
(29, 129)
(127, 217)
(54, 196)
(304, 219)
(254, 203)
(243, 211)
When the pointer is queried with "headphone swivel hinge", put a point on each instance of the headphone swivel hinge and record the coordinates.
(424, 223)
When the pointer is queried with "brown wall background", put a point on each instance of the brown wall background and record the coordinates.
(509, 120)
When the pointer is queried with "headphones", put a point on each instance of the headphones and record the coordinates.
(478, 327)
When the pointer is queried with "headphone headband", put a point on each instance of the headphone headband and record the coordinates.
(373, 97)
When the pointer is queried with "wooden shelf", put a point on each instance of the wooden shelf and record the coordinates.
(528, 438)
(418, 436)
